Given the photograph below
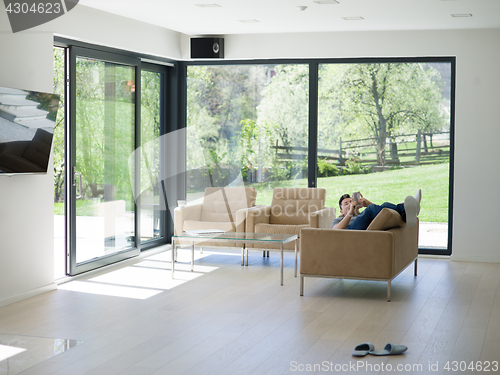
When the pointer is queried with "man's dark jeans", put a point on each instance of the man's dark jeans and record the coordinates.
(366, 217)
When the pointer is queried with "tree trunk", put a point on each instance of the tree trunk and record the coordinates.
(381, 150)
(382, 122)
(419, 142)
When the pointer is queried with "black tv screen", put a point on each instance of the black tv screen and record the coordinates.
(27, 122)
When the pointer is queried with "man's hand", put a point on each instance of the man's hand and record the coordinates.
(353, 208)
(363, 202)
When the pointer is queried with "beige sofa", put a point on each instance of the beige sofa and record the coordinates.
(222, 208)
(291, 210)
(381, 252)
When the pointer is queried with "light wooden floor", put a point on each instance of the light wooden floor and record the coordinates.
(239, 320)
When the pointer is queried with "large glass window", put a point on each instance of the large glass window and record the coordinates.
(384, 129)
(247, 125)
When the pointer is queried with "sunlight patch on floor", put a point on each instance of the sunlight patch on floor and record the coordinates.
(9, 351)
(146, 278)
(108, 290)
(178, 266)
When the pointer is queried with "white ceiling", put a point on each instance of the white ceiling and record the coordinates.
(283, 16)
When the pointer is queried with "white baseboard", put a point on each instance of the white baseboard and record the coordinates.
(471, 258)
(434, 256)
(29, 294)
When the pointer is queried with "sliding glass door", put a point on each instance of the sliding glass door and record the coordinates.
(153, 84)
(104, 112)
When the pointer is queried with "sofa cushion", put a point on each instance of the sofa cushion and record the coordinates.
(221, 204)
(279, 229)
(386, 219)
(196, 225)
(291, 206)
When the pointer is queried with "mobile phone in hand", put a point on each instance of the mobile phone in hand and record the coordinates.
(355, 197)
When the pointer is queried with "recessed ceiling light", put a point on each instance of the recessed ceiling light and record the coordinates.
(249, 21)
(353, 18)
(208, 5)
(324, 2)
(301, 8)
(461, 15)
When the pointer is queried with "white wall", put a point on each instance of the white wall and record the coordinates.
(476, 235)
(26, 202)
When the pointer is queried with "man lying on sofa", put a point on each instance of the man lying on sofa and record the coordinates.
(352, 219)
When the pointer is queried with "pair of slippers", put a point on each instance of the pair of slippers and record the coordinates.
(368, 348)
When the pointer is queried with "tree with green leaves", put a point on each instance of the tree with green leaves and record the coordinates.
(283, 118)
(382, 100)
(220, 100)
(285, 105)
(150, 131)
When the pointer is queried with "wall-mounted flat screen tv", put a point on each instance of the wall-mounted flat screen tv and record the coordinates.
(27, 122)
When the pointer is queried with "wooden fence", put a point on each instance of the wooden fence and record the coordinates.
(406, 149)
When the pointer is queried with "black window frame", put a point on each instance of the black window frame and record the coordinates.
(313, 111)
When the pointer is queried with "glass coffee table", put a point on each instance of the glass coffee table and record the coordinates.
(235, 237)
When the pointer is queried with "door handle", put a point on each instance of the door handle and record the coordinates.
(75, 173)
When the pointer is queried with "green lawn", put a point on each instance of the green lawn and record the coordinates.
(390, 186)
(85, 208)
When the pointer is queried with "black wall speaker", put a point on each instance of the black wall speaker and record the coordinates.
(207, 48)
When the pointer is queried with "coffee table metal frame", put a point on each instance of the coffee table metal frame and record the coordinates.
(236, 237)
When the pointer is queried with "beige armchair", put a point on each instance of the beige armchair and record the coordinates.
(381, 252)
(222, 208)
(291, 210)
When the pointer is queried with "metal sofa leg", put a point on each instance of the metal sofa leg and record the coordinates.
(301, 285)
(389, 291)
(295, 258)
(416, 266)
(192, 257)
